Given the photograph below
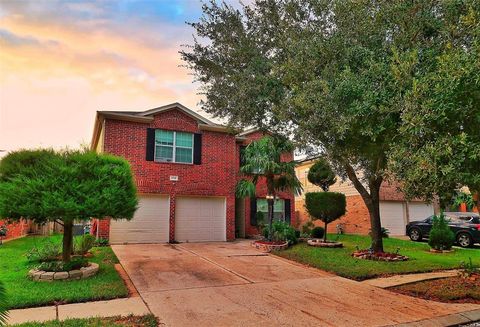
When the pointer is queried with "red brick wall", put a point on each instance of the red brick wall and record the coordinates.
(216, 176)
(16, 229)
(262, 189)
(356, 220)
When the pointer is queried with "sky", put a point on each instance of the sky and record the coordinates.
(62, 61)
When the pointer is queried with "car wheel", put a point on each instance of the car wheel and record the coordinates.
(464, 240)
(415, 234)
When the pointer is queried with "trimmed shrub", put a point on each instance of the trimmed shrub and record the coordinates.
(325, 206)
(441, 236)
(317, 232)
(321, 174)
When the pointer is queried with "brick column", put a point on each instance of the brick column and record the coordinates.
(172, 217)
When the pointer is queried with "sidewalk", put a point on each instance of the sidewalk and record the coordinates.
(117, 307)
(387, 282)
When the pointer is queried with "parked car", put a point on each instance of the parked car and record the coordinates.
(465, 226)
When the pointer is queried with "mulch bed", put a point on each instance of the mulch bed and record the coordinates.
(450, 290)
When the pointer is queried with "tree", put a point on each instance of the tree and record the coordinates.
(329, 72)
(44, 185)
(262, 161)
(321, 174)
(3, 305)
(325, 206)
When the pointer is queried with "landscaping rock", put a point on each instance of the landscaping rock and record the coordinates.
(44, 276)
(48, 276)
(60, 275)
(384, 256)
(266, 247)
(75, 274)
(321, 244)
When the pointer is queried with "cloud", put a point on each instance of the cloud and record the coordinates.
(11, 39)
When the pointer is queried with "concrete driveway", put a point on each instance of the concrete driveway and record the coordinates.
(231, 284)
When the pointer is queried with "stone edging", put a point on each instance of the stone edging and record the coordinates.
(49, 276)
(432, 250)
(321, 244)
(269, 247)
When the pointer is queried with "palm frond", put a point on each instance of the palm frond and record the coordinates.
(3, 305)
(245, 188)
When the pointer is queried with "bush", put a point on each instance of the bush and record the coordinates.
(307, 228)
(101, 242)
(55, 266)
(321, 174)
(441, 236)
(325, 206)
(317, 232)
(83, 244)
(49, 251)
(282, 231)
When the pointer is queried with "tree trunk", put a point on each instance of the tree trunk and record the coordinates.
(67, 241)
(325, 234)
(373, 206)
(270, 219)
(372, 201)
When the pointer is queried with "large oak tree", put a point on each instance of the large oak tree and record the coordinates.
(332, 73)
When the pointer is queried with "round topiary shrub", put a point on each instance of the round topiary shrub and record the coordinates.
(441, 236)
(325, 206)
(317, 232)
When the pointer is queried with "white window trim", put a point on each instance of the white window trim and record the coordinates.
(174, 146)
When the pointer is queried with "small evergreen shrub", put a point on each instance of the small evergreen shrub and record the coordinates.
(101, 242)
(441, 236)
(307, 228)
(317, 232)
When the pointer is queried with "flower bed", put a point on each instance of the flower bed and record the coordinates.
(378, 256)
(317, 242)
(267, 246)
(48, 276)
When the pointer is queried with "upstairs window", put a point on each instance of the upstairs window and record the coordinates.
(173, 146)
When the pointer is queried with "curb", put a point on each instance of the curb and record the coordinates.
(447, 320)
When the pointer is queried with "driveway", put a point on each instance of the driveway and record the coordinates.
(232, 284)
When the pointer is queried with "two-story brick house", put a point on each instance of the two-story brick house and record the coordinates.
(186, 169)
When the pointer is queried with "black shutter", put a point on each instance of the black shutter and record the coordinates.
(197, 149)
(253, 211)
(242, 154)
(150, 144)
(288, 208)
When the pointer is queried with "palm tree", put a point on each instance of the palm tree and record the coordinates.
(261, 159)
(3, 305)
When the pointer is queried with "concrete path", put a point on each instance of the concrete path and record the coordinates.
(231, 284)
(387, 282)
(117, 307)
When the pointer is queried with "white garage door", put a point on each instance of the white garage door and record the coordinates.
(200, 219)
(419, 211)
(150, 223)
(392, 217)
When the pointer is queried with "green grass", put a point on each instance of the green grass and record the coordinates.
(133, 321)
(340, 261)
(23, 292)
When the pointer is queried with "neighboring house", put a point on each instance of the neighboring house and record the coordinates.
(395, 212)
(16, 229)
(186, 169)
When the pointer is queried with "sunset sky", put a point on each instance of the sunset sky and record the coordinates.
(61, 61)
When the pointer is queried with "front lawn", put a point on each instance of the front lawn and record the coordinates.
(23, 292)
(340, 262)
(130, 321)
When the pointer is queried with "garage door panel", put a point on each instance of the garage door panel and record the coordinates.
(200, 219)
(392, 217)
(150, 223)
(420, 211)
